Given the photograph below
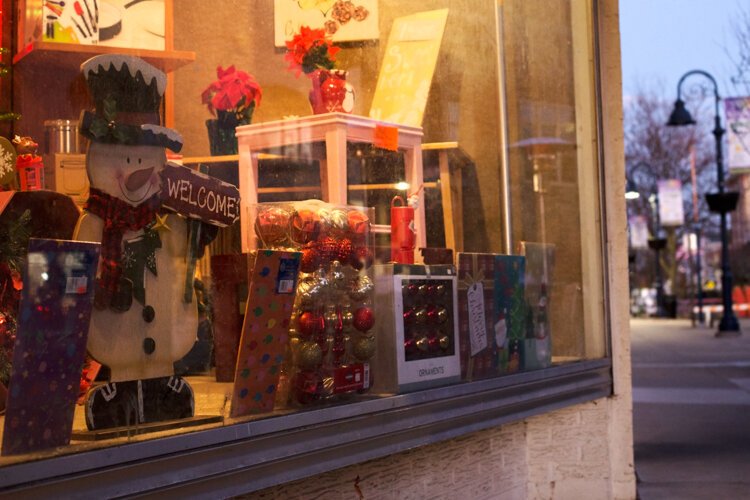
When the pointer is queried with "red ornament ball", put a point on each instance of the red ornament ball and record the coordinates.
(410, 346)
(433, 314)
(304, 226)
(409, 318)
(344, 251)
(359, 226)
(271, 226)
(310, 259)
(433, 343)
(309, 324)
(362, 257)
(329, 249)
(364, 318)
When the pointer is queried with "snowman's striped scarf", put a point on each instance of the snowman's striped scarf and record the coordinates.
(118, 217)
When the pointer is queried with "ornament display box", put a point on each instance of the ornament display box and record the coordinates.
(417, 327)
(492, 314)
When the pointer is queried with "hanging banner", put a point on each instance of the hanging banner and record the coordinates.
(638, 231)
(737, 111)
(671, 209)
(690, 242)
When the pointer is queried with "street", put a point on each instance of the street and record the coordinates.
(691, 395)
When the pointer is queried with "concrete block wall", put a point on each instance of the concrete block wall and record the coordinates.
(561, 455)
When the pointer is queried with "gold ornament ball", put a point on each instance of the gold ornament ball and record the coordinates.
(339, 221)
(347, 317)
(423, 344)
(361, 287)
(293, 344)
(420, 316)
(331, 317)
(309, 290)
(442, 315)
(309, 355)
(445, 341)
(364, 348)
(337, 276)
(325, 218)
(321, 278)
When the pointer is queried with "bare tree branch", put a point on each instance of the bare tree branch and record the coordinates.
(667, 150)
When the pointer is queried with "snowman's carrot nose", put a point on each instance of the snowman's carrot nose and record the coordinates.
(137, 179)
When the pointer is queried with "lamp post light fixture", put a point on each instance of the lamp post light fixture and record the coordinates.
(657, 242)
(721, 202)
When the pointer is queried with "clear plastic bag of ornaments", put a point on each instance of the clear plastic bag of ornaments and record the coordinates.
(331, 337)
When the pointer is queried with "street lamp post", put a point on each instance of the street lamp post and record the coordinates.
(657, 243)
(721, 202)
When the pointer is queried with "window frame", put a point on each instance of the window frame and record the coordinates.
(249, 456)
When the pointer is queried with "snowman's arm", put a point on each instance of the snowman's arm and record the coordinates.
(89, 228)
(207, 234)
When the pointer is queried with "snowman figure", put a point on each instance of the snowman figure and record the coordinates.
(140, 324)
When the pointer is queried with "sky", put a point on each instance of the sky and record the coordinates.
(663, 39)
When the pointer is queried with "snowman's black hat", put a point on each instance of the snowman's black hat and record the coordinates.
(127, 93)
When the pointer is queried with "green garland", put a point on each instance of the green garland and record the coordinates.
(6, 116)
(14, 241)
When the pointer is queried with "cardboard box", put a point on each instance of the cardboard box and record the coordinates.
(265, 331)
(53, 325)
(417, 327)
(229, 277)
(492, 314)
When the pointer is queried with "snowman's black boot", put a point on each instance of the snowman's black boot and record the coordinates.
(133, 402)
(167, 398)
(114, 404)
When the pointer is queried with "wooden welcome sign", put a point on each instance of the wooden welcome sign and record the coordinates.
(199, 196)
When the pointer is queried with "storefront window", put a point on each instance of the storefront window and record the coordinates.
(411, 202)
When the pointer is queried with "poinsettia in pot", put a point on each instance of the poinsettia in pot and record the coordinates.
(311, 51)
(231, 99)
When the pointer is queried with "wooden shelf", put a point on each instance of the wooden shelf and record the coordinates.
(72, 55)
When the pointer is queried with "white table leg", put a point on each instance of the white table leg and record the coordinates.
(415, 179)
(333, 169)
(248, 177)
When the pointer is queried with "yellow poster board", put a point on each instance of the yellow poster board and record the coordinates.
(407, 68)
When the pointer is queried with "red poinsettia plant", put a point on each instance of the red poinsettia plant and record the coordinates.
(236, 93)
(309, 50)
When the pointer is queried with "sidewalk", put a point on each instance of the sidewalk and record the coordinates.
(691, 395)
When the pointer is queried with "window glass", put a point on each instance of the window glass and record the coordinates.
(404, 196)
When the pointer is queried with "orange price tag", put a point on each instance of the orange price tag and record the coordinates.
(386, 137)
